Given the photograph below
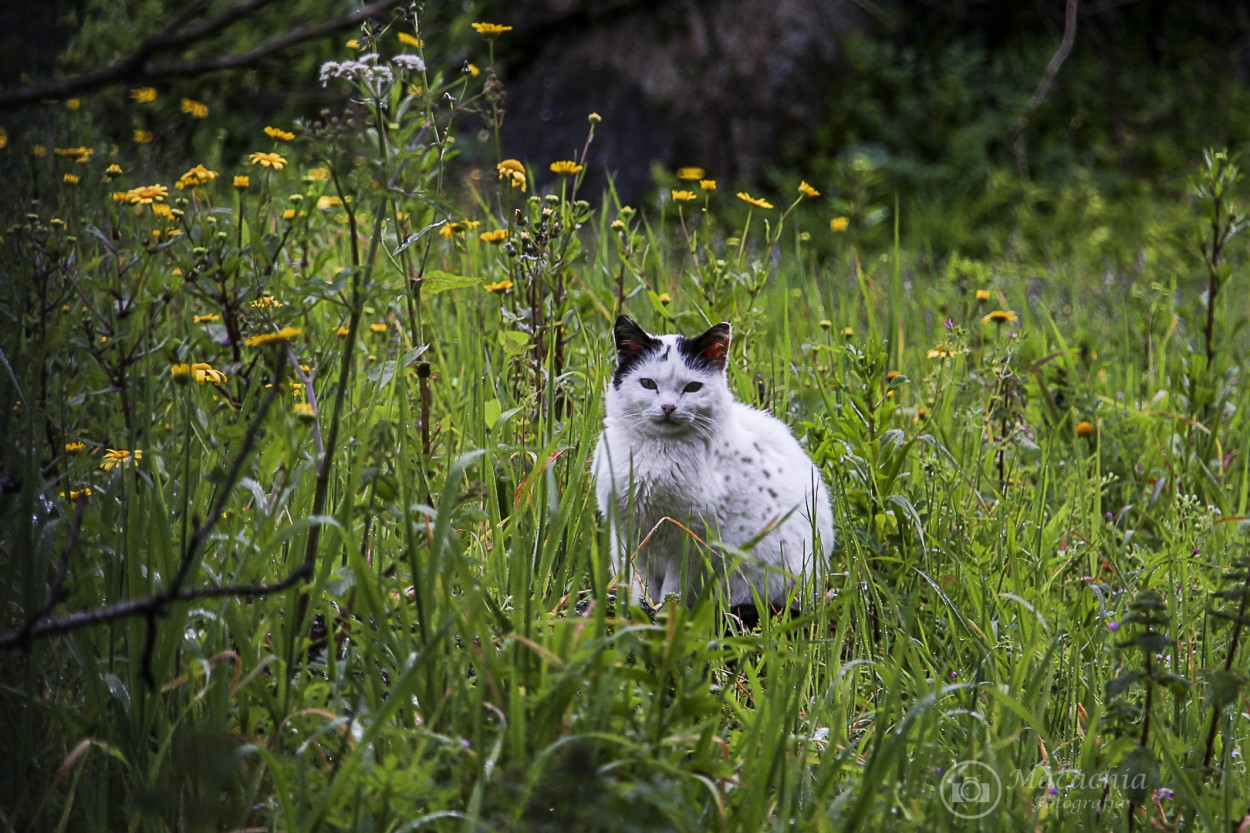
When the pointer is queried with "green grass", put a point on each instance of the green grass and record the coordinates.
(1049, 507)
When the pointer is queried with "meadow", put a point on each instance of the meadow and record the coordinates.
(296, 511)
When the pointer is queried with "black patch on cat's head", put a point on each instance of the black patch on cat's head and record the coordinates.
(633, 344)
(709, 352)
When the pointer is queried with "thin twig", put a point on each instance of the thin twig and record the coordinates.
(142, 607)
(136, 66)
(158, 603)
(57, 591)
(1048, 77)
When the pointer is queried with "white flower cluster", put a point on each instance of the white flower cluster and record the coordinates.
(410, 63)
(364, 71)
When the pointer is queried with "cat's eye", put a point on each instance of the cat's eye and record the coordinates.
(691, 387)
(649, 384)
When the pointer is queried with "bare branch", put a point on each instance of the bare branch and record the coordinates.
(57, 591)
(156, 604)
(147, 606)
(137, 66)
(1047, 82)
(1056, 61)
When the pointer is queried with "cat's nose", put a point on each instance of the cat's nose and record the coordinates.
(668, 409)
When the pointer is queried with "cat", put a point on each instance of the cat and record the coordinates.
(676, 444)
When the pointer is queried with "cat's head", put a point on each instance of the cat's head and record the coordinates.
(668, 385)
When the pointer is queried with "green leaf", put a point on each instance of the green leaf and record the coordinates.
(491, 410)
(1223, 688)
(1121, 683)
(1177, 684)
(436, 281)
(513, 342)
(1138, 775)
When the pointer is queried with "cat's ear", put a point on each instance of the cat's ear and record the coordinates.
(631, 340)
(709, 351)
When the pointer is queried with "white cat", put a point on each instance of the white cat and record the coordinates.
(677, 445)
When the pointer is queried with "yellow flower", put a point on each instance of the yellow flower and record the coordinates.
(4, 138)
(75, 446)
(352, 44)
(144, 95)
(807, 190)
(180, 372)
(74, 495)
(79, 154)
(72, 179)
(285, 334)
(450, 229)
(162, 210)
(497, 236)
(473, 70)
(327, 201)
(317, 174)
(983, 294)
(690, 174)
(280, 135)
(891, 375)
(204, 372)
(1084, 429)
(411, 40)
(304, 411)
(195, 109)
(683, 196)
(38, 150)
(490, 30)
(618, 225)
(501, 286)
(120, 457)
(205, 319)
(565, 168)
(707, 184)
(664, 298)
(147, 194)
(512, 171)
(377, 328)
(73, 103)
(921, 413)
(142, 137)
(942, 352)
(1000, 317)
(267, 301)
(113, 170)
(839, 224)
(755, 201)
(288, 214)
(825, 324)
(269, 160)
(241, 183)
(342, 332)
(848, 332)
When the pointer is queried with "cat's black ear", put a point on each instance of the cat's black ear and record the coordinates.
(632, 341)
(708, 352)
(633, 344)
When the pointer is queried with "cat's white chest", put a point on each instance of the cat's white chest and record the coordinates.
(658, 479)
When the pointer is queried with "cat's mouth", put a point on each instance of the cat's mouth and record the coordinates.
(670, 421)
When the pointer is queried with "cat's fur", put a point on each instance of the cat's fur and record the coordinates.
(676, 444)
